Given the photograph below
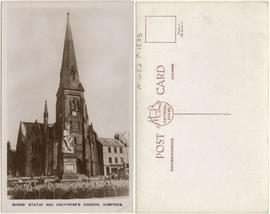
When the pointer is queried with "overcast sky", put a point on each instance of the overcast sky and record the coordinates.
(33, 39)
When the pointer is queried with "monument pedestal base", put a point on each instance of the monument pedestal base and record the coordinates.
(70, 176)
(70, 167)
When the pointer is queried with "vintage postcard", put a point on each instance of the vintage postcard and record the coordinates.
(67, 103)
(202, 107)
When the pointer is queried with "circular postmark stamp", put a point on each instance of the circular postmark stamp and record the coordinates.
(160, 113)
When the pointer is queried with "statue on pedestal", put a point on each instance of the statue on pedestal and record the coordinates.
(68, 142)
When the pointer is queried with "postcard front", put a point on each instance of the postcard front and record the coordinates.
(202, 94)
(67, 106)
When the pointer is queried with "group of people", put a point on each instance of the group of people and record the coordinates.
(81, 189)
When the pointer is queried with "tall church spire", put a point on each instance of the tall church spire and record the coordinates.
(45, 116)
(45, 108)
(69, 76)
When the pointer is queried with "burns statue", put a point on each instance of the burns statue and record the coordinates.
(68, 142)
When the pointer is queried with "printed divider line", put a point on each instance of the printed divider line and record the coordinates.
(203, 114)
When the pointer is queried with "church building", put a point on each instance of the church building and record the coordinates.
(71, 142)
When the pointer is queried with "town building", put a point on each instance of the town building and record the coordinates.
(11, 157)
(113, 154)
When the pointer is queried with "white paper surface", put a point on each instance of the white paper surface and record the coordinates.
(199, 59)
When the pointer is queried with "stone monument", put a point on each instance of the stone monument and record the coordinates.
(69, 155)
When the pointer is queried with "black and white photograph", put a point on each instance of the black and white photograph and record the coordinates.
(67, 105)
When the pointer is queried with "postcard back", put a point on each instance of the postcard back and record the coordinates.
(202, 107)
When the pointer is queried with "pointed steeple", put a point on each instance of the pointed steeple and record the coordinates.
(46, 108)
(45, 116)
(69, 76)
